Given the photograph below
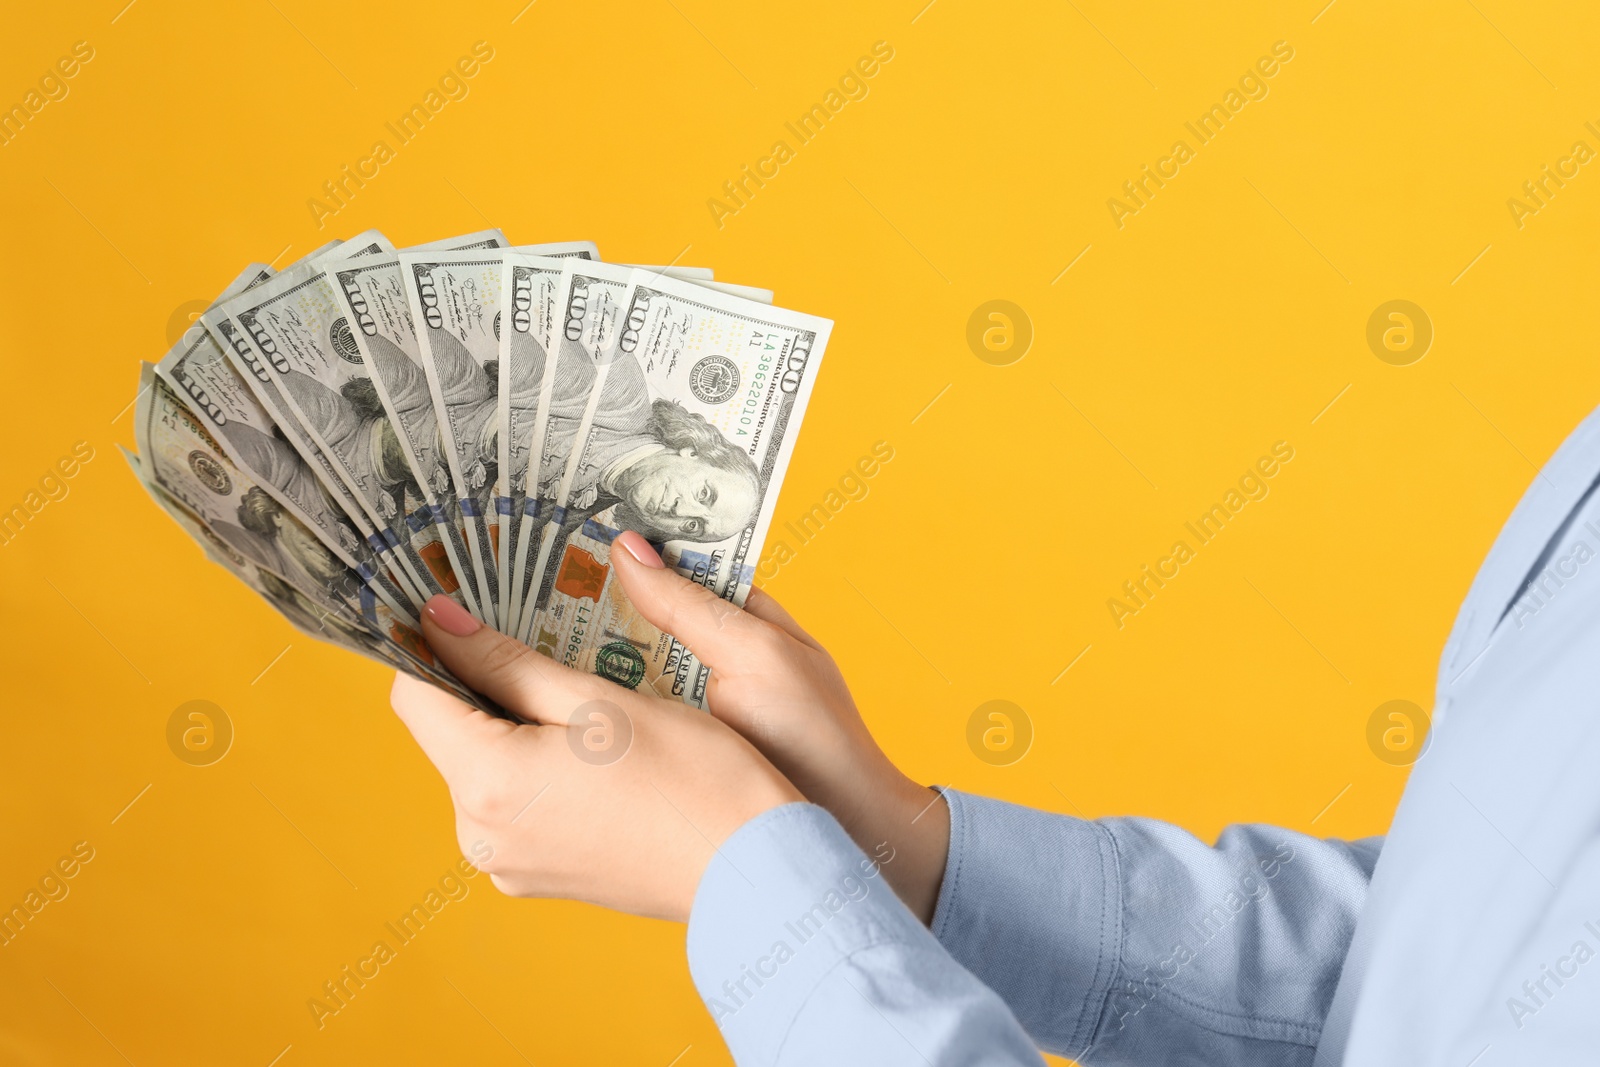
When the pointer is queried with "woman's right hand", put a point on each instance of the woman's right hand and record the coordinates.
(774, 684)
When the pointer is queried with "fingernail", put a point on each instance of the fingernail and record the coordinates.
(451, 617)
(639, 549)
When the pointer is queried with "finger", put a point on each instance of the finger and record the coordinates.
(720, 634)
(761, 604)
(505, 670)
(452, 734)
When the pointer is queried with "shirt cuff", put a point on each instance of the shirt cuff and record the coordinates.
(1031, 905)
(786, 899)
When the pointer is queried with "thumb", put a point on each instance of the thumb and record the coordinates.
(532, 687)
(453, 735)
(720, 634)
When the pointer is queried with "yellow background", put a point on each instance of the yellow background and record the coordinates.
(1223, 317)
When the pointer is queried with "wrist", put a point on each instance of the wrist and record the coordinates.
(748, 802)
(752, 799)
(922, 846)
(905, 826)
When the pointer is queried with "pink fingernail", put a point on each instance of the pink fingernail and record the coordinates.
(451, 617)
(639, 549)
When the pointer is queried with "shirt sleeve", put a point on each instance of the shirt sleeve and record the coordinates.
(1129, 941)
(804, 955)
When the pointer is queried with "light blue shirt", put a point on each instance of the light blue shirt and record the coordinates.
(1473, 942)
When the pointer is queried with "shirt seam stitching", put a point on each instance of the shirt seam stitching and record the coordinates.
(1122, 966)
(1310, 1031)
(959, 822)
(1090, 1020)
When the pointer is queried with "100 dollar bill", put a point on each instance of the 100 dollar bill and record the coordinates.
(530, 281)
(243, 529)
(371, 291)
(180, 455)
(588, 315)
(456, 308)
(232, 338)
(298, 339)
(697, 399)
(198, 368)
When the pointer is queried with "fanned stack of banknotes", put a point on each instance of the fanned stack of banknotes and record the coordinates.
(372, 426)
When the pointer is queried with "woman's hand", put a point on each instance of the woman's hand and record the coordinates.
(604, 795)
(777, 687)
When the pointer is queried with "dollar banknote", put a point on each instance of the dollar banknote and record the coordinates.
(247, 360)
(185, 461)
(704, 277)
(673, 270)
(574, 316)
(276, 555)
(695, 403)
(453, 298)
(197, 367)
(588, 312)
(369, 427)
(372, 294)
(297, 337)
(301, 612)
(530, 288)
(743, 292)
(454, 302)
(456, 309)
(378, 634)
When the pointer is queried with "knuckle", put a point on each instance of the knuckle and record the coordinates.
(775, 640)
(472, 840)
(473, 800)
(686, 602)
(775, 646)
(505, 659)
(487, 799)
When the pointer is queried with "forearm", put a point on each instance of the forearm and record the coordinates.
(1121, 940)
(803, 956)
(1114, 939)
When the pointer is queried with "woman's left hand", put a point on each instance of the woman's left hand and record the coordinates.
(602, 795)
